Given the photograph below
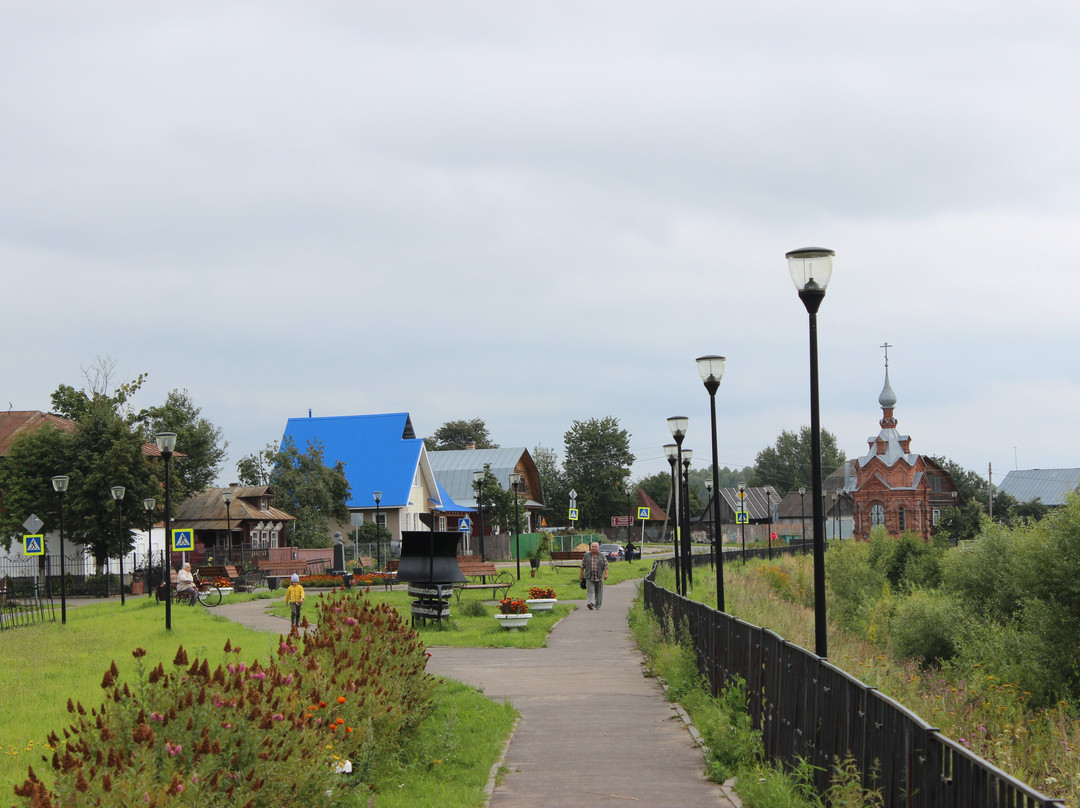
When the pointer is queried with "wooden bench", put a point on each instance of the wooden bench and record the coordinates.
(223, 571)
(478, 573)
(566, 558)
(274, 571)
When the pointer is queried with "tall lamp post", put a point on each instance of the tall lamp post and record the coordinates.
(166, 443)
(629, 521)
(377, 496)
(227, 495)
(811, 269)
(742, 507)
(802, 513)
(677, 424)
(149, 504)
(671, 452)
(711, 370)
(688, 567)
(515, 483)
(118, 495)
(478, 484)
(60, 486)
(708, 496)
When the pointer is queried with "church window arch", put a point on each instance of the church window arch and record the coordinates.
(877, 515)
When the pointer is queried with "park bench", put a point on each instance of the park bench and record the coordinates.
(566, 558)
(478, 572)
(223, 571)
(274, 571)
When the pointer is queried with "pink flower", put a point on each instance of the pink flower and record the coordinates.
(172, 749)
(232, 668)
(258, 675)
(156, 717)
(278, 717)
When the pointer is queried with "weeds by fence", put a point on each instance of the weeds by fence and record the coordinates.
(808, 709)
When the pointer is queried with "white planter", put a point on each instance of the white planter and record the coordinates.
(226, 590)
(513, 621)
(542, 604)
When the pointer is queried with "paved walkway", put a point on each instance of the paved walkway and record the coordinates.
(593, 730)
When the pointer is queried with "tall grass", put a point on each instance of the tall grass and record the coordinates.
(976, 708)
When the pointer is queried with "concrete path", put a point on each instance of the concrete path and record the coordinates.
(593, 730)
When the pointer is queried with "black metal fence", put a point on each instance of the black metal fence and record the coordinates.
(808, 709)
(24, 602)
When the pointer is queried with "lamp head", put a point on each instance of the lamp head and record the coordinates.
(60, 484)
(686, 455)
(811, 268)
(708, 484)
(228, 495)
(477, 477)
(166, 442)
(149, 503)
(711, 370)
(802, 491)
(515, 480)
(118, 492)
(677, 424)
(742, 486)
(377, 495)
(671, 452)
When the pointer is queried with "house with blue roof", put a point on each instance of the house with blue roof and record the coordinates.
(384, 460)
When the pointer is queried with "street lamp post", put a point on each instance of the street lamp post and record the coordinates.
(802, 513)
(742, 507)
(671, 452)
(478, 484)
(711, 370)
(629, 521)
(688, 567)
(515, 483)
(118, 495)
(60, 485)
(811, 269)
(677, 424)
(166, 443)
(227, 495)
(149, 504)
(377, 496)
(712, 538)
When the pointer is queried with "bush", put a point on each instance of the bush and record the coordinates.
(853, 583)
(473, 608)
(924, 627)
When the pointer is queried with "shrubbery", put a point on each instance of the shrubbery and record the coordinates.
(249, 735)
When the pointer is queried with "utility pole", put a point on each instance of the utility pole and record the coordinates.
(990, 488)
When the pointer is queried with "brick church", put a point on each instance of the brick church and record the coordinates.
(890, 485)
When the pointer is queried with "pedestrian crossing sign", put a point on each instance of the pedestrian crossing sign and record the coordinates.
(642, 513)
(573, 514)
(742, 518)
(34, 545)
(183, 540)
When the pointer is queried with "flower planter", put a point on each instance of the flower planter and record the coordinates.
(225, 590)
(513, 621)
(542, 604)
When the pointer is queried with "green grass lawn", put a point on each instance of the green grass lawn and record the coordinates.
(47, 664)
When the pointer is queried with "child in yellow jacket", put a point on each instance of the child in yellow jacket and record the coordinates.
(294, 596)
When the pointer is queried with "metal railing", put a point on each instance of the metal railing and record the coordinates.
(808, 709)
(24, 603)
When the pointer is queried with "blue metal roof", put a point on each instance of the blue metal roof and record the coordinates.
(374, 448)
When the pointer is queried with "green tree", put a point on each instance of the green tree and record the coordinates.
(786, 464)
(75, 404)
(657, 486)
(554, 485)
(199, 441)
(304, 487)
(458, 434)
(598, 460)
(33, 459)
(498, 504)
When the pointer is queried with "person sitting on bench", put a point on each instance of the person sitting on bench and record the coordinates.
(185, 584)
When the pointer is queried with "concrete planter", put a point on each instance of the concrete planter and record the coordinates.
(542, 604)
(513, 621)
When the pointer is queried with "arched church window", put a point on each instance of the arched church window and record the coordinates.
(877, 515)
(902, 518)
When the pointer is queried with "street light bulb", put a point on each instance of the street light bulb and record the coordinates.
(377, 495)
(118, 492)
(711, 368)
(166, 442)
(810, 267)
(228, 494)
(671, 452)
(60, 484)
(149, 503)
(677, 424)
(686, 455)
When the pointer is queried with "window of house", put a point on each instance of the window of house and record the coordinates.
(265, 538)
(273, 538)
(380, 519)
(442, 524)
(902, 518)
(877, 515)
(262, 503)
(935, 515)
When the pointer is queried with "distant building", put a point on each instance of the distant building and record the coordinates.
(890, 485)
(1049, 486)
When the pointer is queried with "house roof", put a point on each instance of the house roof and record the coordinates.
(380, 453)
(15, 422)
(454, 469)
(206, 510)
(1048, 485)
(758, 501)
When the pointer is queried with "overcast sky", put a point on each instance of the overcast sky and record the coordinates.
(541, 212)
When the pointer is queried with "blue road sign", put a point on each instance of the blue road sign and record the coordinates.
(643, 513)
(183, 540)
(464, 525)
(34, 545)
(742, 517)
(573, 514)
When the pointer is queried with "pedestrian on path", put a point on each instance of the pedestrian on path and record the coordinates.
(594, 573)
(294, 597)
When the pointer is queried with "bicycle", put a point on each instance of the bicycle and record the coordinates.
(208, 594)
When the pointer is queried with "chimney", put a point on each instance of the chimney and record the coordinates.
(470, 445)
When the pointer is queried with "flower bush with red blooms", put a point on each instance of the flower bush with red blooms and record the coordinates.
(513, 606)
(247, 735)
(541, 593)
